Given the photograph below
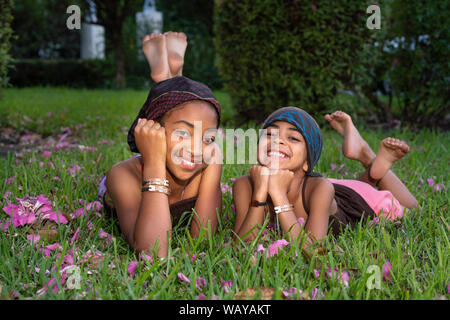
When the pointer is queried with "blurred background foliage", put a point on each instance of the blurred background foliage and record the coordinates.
(315, 54)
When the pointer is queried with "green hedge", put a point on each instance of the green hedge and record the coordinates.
(6, 33)
(419, 70)
(61, 72)
(278, 53)
(195, 19)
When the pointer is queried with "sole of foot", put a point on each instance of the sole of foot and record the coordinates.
(155, 51)
(354, 146)
(176, 43)
(391, 150)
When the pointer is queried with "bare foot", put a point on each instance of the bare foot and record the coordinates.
(154, 48)
(354, 146)
(176, 47)
(390, 151)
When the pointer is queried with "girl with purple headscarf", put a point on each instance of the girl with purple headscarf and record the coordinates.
(150, 192)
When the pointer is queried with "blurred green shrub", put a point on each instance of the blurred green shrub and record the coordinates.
(303, 53)
(279, 53)
(419, 70)
(6, 33)
(196, 19)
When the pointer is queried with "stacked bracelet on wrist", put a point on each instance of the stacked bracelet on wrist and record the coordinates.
(156, 185)
(157, 181)
(284, 208)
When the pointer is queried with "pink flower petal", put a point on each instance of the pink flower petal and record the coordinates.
(278, 244)
(132, 267)
(260, 248)
(55, 216)
(301, 221)
(34, 239)
(104, 235)
(316, 273)
(147, 257)
(96, 204)
(430, 182)
(387, 268)
(183, 278)
(291, 292)
(46, 154)
(50, 248)
(4, 225)
(226, 285)
(200, 283)
(75, 236)
(333, 166)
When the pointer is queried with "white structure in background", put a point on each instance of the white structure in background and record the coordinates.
(92, 36)
(148, 21)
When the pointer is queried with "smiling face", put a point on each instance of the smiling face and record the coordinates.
(283, 148)
(190, 129)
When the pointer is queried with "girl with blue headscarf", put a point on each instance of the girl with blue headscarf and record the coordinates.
(285, 188)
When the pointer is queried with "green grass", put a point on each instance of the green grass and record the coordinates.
(417, 247)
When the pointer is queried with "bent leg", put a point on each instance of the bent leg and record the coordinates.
(356, 148)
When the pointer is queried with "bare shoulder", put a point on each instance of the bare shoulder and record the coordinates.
(125, 172)
(321, 185)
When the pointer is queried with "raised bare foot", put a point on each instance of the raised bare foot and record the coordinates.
(176, 47)
(390, 151)
(154, 48)
(354, 146)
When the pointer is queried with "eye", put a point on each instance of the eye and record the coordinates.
(182, 133)
(209, 139)
(294, 139)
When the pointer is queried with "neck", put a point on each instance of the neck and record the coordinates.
(299, 176)
(175, 183)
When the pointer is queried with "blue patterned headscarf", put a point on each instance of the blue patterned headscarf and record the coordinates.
(307, 126)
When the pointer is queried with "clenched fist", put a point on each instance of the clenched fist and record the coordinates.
(151, 140)
(260, 178)
(279, 182)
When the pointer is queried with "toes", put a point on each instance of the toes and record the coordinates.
(146, 38)
(328, 117)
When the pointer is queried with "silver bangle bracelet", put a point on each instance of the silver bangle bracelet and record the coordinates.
(156, 181)
(154, 188)
(284, 208)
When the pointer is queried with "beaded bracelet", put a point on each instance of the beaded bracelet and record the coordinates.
(284, 208)
(154, 188)
(157, 181)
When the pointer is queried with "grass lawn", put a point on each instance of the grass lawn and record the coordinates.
(70, 138)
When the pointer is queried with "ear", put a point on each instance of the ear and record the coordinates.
(305, 166)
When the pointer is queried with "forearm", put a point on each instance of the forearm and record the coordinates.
(153, 223)
(253, 221)
(288, 220)
(207, 217)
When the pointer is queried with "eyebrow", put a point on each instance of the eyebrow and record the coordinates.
(186, 123)
(191, 125)
(290, 128)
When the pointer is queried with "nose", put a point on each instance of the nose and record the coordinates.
(279, 140)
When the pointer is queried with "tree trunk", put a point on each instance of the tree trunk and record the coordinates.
(119, 62)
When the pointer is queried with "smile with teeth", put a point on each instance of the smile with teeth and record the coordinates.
(187, 164)
(275, 154)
